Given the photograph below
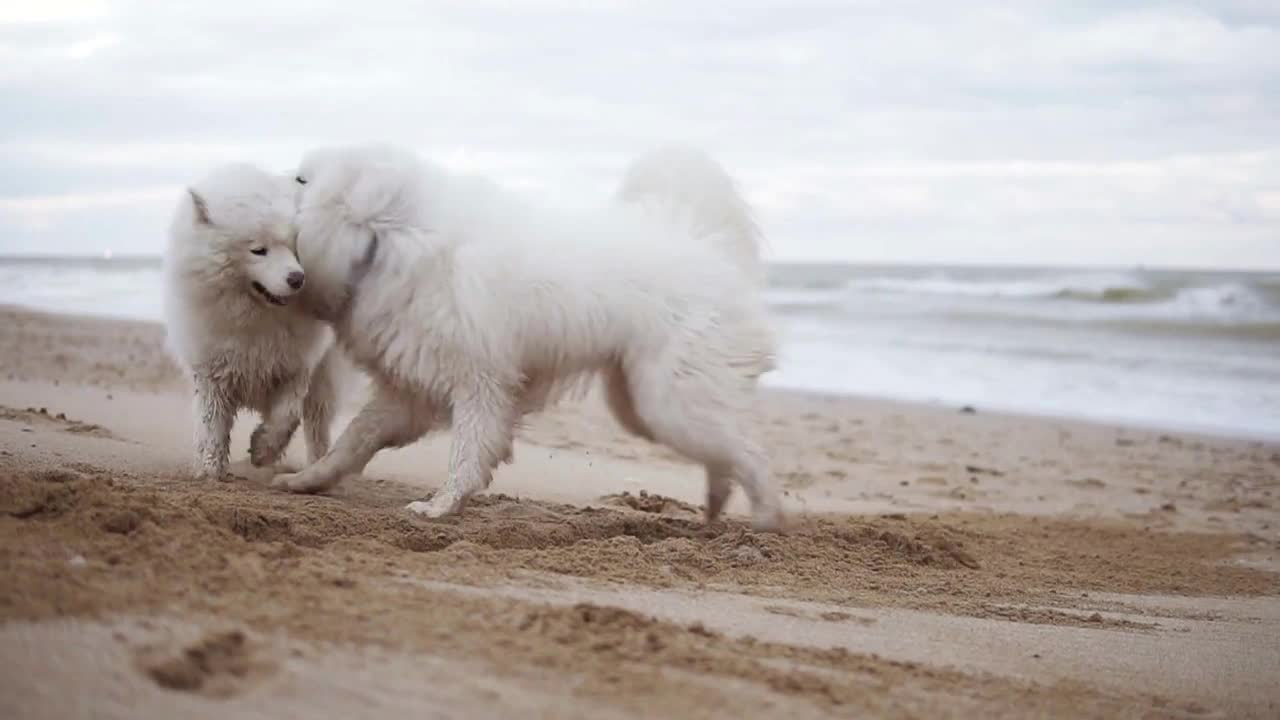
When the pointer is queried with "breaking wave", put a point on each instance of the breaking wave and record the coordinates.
(1147, 300)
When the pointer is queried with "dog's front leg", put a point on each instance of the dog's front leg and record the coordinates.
(284, 412)
(319, 405)
(215, 413)
(483, 429)
(388, 420)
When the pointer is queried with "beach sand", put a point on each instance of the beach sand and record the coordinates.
(940, 563)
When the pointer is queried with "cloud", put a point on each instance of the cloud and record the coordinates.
(52, 11)
(984, 132)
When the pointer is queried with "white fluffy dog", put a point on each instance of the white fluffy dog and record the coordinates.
(230, 274)
(471, 307)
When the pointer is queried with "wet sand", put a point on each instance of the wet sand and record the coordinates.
(940, 564)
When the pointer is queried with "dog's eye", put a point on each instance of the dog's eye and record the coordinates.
(299, 180)
(259, 251)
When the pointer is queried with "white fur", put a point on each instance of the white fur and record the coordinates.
(239, 348)
(469, 306)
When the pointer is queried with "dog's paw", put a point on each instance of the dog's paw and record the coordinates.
(266, 446)
(442, 505)
(209, 472)
(769, 519)
(291, 482)
(306, 481)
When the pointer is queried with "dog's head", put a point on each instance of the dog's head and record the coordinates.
(347, 197)
(239, 221)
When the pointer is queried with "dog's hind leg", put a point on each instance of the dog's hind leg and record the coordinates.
(215, 413)
(318, 407)
(388, 420)
(283, 413)
(719, 488)
(617, 397)
(690, 413)
(484, 418)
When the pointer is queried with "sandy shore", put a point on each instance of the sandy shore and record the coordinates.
(941, 564)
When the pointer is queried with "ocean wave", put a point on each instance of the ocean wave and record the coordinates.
(1105, 287)
(1229, 303)
(1135, 296)
(1170, 327)
(805, 298)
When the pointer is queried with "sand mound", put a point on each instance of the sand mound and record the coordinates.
(42, 416)
(650, 503)
(221, 534)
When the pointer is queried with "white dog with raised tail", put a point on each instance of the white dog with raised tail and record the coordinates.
(230, 281)
(469, 306)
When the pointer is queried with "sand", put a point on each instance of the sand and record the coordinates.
(940, 564)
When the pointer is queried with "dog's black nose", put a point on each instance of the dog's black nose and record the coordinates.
(295, 279)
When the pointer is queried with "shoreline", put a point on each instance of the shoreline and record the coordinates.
(1117, 423)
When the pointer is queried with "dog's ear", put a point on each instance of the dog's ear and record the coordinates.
(202, 210)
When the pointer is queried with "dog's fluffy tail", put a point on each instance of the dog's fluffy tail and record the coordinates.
(692, 187)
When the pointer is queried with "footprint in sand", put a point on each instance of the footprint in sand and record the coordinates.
(219, 665)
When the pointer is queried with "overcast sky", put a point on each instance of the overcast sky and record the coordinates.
(923, 131)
